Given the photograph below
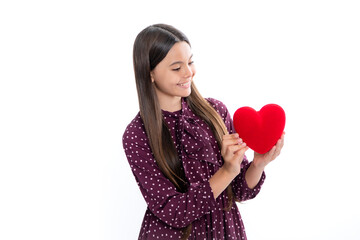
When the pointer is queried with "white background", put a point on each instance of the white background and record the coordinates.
(67, 93)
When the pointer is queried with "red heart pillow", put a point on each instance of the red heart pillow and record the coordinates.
(260, 130)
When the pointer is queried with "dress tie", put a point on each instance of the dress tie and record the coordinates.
(195, 141)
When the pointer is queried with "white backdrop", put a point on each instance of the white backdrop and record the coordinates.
(67, 93)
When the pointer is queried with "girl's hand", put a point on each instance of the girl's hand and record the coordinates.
(261, 160)
(233, 151)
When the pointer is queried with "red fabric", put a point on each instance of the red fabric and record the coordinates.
(260, 130)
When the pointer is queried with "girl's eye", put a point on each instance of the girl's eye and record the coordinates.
(177, 69)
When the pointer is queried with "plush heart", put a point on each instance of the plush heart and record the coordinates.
(260, 130)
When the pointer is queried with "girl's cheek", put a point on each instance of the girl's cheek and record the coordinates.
(193, 69)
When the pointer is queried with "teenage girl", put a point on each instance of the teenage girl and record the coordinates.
(187, 160)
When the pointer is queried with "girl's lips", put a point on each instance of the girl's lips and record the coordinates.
(185, 85)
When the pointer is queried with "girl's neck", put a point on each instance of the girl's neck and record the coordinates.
(172, 105)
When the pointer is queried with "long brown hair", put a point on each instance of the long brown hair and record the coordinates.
(151, 46)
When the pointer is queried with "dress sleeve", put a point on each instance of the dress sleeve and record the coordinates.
(241, 189)
(162, 198)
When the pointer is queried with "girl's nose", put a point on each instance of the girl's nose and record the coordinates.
(188, 72)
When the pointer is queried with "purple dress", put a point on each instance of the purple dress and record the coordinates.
(168, 210)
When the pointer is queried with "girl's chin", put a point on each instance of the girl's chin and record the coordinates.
(186, 94)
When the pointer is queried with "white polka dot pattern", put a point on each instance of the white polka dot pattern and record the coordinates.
(169, 210)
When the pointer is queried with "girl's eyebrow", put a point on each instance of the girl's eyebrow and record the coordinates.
(179, 62)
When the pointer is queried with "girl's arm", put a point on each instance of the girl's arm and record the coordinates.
(239, 184)
(233, 151)
(254, 172)
(174, 208)
(253, 175)
(220, 180)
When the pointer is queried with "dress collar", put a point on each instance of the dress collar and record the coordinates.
(190, 130)
(184, 111)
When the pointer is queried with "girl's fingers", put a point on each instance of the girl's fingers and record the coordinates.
(232, 148)
(272, 151)
(232, 140)
(232, 144)
(229, 142)
(231, 136)
(235, 148)
(241, 151)
(279, 146)
(280, 143)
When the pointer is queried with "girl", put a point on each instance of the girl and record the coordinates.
(187, 161)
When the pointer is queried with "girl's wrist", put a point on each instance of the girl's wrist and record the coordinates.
(220, 180)
(259, 167)
(231, 170)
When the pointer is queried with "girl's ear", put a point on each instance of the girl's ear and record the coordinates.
(152, 76)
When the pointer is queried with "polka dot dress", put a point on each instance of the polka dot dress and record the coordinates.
(168, 211)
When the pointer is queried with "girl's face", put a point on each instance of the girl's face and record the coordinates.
(173, 75)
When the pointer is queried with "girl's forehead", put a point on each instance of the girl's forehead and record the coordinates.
(180, 51)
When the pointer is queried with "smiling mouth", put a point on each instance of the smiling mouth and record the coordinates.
(184, 84)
